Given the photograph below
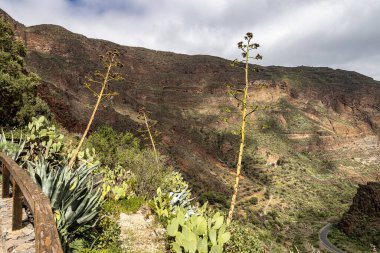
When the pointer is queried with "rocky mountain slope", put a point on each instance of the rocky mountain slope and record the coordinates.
(305, 155)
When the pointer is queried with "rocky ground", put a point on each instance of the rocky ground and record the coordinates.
(140, 233)
(19, 241)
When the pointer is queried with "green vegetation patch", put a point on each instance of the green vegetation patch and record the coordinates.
(128, 205)
(346, 243)
(18, 87)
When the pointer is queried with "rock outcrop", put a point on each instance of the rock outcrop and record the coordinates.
(362, 220)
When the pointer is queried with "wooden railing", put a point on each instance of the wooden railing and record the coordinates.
(46, 234)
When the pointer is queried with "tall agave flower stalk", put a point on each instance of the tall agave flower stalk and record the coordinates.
(246, 48)
(109, 61)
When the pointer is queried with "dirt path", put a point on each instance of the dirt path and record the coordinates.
(141, 234)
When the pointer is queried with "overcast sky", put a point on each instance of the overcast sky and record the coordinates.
(341, 34)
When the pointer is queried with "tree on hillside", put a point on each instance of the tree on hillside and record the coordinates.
(19, 102)
(242, 96)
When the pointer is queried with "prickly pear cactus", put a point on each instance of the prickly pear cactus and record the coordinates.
(198, 233)
(43, 140)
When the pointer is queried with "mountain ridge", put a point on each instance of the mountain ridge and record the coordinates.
(12, 21)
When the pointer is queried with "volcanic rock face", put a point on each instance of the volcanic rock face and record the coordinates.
(363, 218)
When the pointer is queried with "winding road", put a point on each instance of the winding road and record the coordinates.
(325, 243)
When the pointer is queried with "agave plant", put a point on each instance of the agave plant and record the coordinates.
(166, 204)
(74, 196)
(177, 190)
(182, 198)
(10, 147)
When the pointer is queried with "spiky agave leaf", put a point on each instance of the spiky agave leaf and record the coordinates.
(10, 148)
(73, 194)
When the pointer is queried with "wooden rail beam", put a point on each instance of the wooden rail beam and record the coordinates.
(47, 237)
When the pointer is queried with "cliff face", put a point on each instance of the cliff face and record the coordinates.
(362, 220)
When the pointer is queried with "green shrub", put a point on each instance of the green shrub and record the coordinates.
(267, 193)
(215, 198)
(113, 148)
(148, 173)
(83, 246)
(121, 153)
(253, 201)
(174, 182)
(110, 249)
(109, 233)
(243, 240)
(118, 183)
(128, 205)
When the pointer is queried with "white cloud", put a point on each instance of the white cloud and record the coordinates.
(340, 34)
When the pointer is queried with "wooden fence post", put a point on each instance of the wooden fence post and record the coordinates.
(17, 207)
(6, 179)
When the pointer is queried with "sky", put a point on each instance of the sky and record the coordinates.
(342, 34)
